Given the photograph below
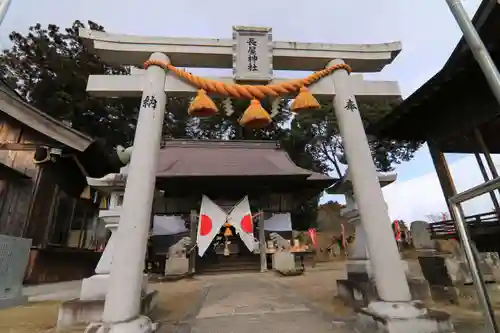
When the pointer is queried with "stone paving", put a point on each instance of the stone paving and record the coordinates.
(250, 302)
(255, 304)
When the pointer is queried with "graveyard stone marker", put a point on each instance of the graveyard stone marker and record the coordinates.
(14, 254)
(421, 237)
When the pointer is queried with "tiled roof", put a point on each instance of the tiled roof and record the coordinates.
(204, 158)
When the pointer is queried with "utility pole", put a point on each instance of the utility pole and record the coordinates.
(476, 46)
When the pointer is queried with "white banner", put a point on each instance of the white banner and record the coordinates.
(279, 222)
(241, 219)
(168, 225)
(211, 219)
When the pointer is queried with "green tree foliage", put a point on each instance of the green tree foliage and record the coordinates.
(324, 140)
(49, 67)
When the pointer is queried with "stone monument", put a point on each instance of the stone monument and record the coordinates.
(253, 56)
(14, 255)
(283, 260)
(421, 237)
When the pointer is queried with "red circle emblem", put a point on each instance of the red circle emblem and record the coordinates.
(205, 225)
(246, 224)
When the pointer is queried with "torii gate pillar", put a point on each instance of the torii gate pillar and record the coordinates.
(400, 313)
(122, 306)
(389, 274)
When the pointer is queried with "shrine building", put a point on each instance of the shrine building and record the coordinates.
(225, 172)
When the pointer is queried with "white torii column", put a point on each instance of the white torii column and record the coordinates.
(388, 271)
(122, 306)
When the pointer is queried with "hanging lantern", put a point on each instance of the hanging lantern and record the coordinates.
(227, 232)
(255, 116)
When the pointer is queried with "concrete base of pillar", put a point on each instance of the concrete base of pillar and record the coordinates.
(359, 289)
(77, 311)
(9, 302)
(356, 293)
(387, 317)
(95, 287)
(140, 324)
(363, 266)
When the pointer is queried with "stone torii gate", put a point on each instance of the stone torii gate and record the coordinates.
(253, 56)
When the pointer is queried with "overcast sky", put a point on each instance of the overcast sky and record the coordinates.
(426, 29)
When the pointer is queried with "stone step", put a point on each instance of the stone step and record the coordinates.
(229, 264)
(229, 260)
(228, 269)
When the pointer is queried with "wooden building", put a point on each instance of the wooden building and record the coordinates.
(43, 169)
(227, 171)
(455, 112)
(230, 170)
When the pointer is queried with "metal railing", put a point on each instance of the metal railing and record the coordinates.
(477, 224)
(470, 254)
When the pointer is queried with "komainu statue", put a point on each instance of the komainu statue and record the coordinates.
(281, 243)
(179, 249)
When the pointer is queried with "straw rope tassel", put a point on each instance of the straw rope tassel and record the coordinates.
(255, 116)
(304, 101)
(202, 105)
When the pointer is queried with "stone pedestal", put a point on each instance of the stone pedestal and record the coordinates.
(459, 269)
(95, 287)
(359, 288)
(392, 317)
(89, 307)
(448, 273)
(77, 311)
(359, 250)
(8, 302)
(177, 266)
(283, 261)
(492, 260)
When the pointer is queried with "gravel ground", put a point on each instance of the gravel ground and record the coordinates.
(180, 303)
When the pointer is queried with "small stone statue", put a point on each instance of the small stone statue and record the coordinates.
(281, 243)
(179, 249)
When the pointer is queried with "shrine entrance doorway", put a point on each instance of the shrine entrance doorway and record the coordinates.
(228, 243)
(228, 253)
